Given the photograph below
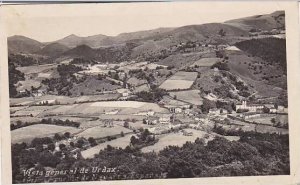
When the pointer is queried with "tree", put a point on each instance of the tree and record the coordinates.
(144, 121)
(126, 124)
(222, 33)
(67, 134)
(62, 146)
(273, 120)
(266, 110)
(92, 141)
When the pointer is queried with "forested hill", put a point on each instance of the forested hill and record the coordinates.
(271, 50)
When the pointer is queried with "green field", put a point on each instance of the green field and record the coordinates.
(121, 142)
(101, 131)
(174, 139)
(26, 134)
(190, 96)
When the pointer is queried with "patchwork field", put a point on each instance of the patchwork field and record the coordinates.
(26, 134)
(191, 96)
(180, 80)
(121, 142)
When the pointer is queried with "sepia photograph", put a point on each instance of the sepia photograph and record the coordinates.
(181, 92)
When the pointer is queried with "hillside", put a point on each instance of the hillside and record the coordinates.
(53, 49)
(260, 22)
(103, 55)
(21, 44)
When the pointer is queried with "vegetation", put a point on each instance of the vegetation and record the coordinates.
(261, 48)
(254, 154)
(155, 95)
(48, 121)
(14, 77)
(64, 83)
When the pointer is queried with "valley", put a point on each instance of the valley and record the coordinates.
(149, 94)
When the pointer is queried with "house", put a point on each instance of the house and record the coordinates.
(186, 133)
(214, 111)
(165, 118)
(250, 107)
(122, 75)
(152, 120)
(280, 108)
(124, 92)
(145, 113)
(273, 110)
(250, 115)
(175, 109)
(112, 112)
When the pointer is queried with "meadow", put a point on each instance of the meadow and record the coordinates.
(179, 81)
(190, 96)
(120, 142)
(26, 134)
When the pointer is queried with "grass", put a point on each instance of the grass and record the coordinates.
(26, 134)
(190, 96)
(180, 80)
(121, 142)
(206, 62)
(175, 139)
(101, 131)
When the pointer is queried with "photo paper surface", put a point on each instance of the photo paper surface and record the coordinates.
(148, 92)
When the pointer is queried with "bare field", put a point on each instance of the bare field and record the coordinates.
(26, 134)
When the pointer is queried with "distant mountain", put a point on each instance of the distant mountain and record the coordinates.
(21, 44)
(81, 51)
(92, 41)
(108, 54)
(53, 49)
(97, 41)
(263, 22)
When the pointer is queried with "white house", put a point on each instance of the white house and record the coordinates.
(273, 110)
(250, 107)
(124, 92)
(165, 118)
(214, 111)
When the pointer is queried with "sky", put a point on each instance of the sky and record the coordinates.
(47, 23)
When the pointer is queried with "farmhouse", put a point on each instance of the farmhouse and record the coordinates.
(145, 113)
(185, 133)
(152, 120)
(112, 112)
(214, 111)
(250, 115)
(175, 109)
(165, 118)
(124, 92)
(273, 110)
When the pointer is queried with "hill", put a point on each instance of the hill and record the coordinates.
(260, 22)
(21, 44)
(53, 49)
(94, 41)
